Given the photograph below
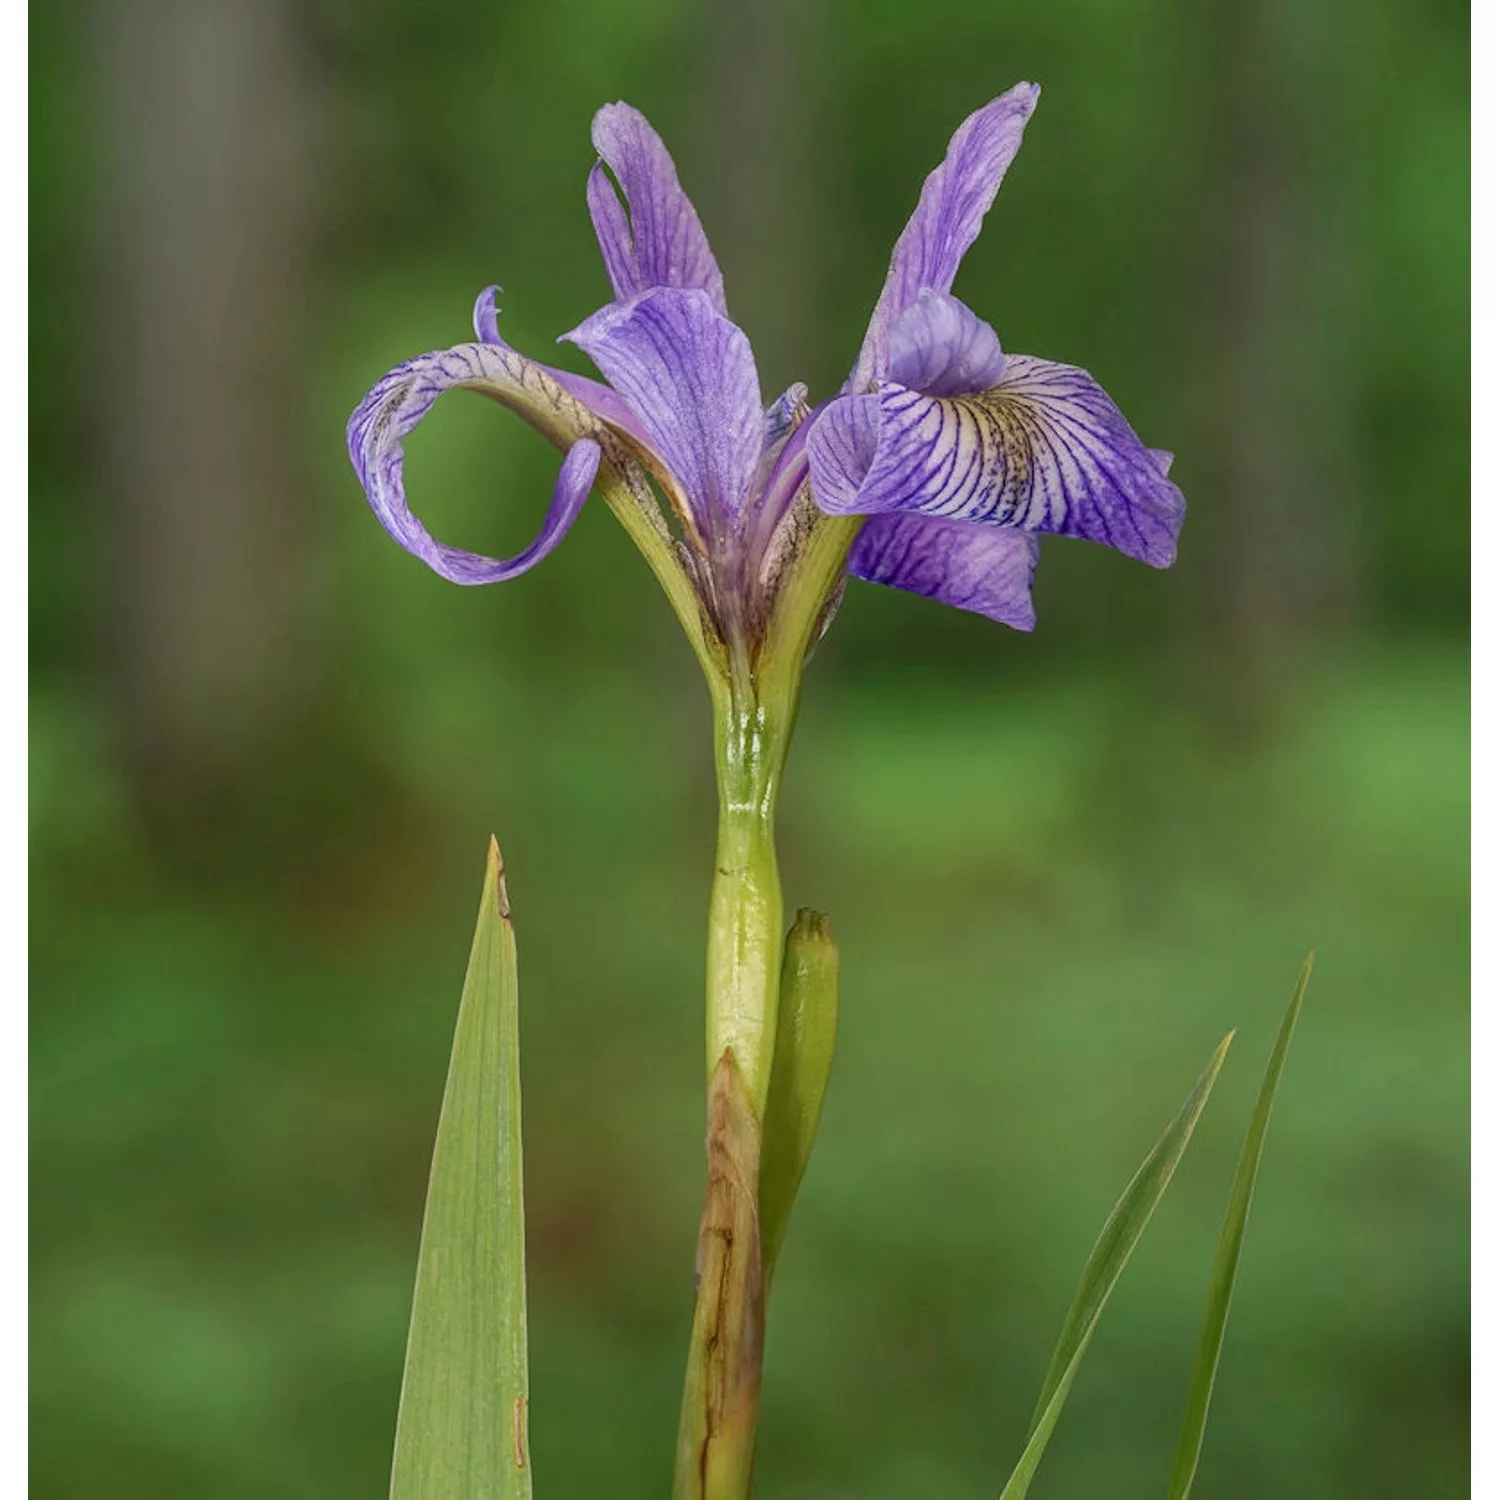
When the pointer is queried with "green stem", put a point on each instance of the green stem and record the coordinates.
(755, 706)
(745, 907)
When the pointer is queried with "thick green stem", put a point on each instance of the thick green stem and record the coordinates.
(721, 1395)
(755, 705)
(745, 908)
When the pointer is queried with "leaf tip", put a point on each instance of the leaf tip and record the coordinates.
(495, 871)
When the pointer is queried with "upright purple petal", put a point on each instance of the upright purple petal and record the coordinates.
(378, 430)
(954, 201)
(689, 376)
(661, 243)
(939, 347)
(1043, 450)
(982, 568)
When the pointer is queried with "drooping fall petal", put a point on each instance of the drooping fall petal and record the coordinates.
(986, 569)
(377, 433)
(1044, 450)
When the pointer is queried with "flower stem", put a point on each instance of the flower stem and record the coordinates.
(721, 1395)
(745, 908)
(755, 706)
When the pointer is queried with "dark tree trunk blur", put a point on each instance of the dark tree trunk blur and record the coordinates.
(1276, 521)
(205, 244)
(747, 158)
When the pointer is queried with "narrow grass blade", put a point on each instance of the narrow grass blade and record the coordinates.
(806, 1028)
(1124, 1227)
(1227, 1257)
(461, 1427)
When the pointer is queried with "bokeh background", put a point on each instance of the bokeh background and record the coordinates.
(268, 747)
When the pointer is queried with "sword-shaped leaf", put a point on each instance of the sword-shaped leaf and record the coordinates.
(461, 1427)
(1227, 1257)
(1126, 1223)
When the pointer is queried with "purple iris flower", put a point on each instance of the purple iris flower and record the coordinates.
(955, 455)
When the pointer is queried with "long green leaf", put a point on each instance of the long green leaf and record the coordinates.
(461, 1427)
(1227, 1257)
(1124, 1227)
(806, 1029)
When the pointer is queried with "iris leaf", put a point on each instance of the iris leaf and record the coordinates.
(461, 1427)
(1227, 1257)
(1126, 1223)
(806, 1027)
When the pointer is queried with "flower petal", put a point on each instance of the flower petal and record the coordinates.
(689, 376)
(1043, 450)
(986, 569)
(840, 449)
(941, 348)
(394, 407)
(606, 404)
(954, 201)
(487, 317)
(661, 243)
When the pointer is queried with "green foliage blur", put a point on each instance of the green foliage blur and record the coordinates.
(268, 747)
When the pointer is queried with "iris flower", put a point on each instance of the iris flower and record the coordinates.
(935, 470)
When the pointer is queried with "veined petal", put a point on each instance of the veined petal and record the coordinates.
(987, 569)
(1043, 450)
(606, 404)
(840, 450)
(954, 201)
(689, 377)
(397, 403)
(941, 348)
(655, 239)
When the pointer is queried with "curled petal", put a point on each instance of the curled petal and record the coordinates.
(394, 407)
(606, 404)
(1043, 450)
(840, 449)
(689, 377)
(941, 348)
(955, 198)
(661, 242)
(487, 317)
(986, 569)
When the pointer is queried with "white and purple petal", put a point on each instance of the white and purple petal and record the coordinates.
(393, 408)
(689, 377)
(955, 198)
(1043, 450)
(653, 239)
(986, 569)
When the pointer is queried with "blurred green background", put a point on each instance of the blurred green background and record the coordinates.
(268, 747)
